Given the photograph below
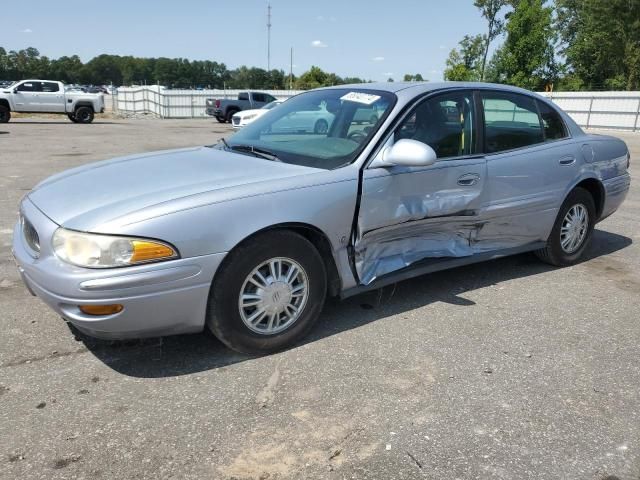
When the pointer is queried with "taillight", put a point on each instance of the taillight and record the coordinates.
(217, 103)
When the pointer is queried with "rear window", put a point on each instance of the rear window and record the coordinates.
(554, 127)
(511, 121)
(243, 96)
(50, 87)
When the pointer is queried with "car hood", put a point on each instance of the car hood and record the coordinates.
(92, 195)
(245, 113)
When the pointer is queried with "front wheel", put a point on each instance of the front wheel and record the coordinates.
(5, 114)
(268, 294)
(572, 230)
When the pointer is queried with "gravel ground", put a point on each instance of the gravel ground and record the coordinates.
(509, 369)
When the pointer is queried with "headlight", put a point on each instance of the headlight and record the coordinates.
(249, 117)
(107, 251)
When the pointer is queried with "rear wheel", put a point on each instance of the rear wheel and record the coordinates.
(84, 115)
(572, 230)
(321, 127)
(220, 119)
(5, 114)
(268, 294)
(72, 117)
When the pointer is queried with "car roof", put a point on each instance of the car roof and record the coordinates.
(423, 87)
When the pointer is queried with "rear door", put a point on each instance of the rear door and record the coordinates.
(409, 214)
(531, 161)
(51, 97)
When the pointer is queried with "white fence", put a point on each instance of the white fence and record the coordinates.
(610, 110)
(175, 103)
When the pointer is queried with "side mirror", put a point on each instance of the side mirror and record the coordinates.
(406, 153)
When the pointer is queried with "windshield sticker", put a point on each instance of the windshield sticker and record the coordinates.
(358, 97)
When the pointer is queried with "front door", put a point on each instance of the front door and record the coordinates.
(409, 214)
(25, 97)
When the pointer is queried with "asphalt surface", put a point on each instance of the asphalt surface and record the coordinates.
(509, 369)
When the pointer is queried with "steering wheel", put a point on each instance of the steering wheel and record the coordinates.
(357, 136)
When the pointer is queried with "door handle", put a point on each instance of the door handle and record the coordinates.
(568, 160)
(468, 179)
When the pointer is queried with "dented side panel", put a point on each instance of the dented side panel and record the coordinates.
(408, 214)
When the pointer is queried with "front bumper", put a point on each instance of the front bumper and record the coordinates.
(164, 298)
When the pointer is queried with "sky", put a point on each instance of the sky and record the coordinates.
(371, 39)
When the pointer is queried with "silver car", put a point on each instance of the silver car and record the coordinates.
(248, 237)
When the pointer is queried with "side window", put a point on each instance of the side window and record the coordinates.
(445, 123)
(243, 96)
(554, 128)
(510, 121)
(268, 98)
(258, 97)
(28, 87)
(50, 87)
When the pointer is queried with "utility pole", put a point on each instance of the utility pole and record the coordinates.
(268, 36)
(291, 71)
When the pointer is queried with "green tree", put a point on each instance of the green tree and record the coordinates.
(601, 41)
(527, 57)
(465, 64)
(490, 10)
(413, 78)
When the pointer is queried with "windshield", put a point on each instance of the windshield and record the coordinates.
(320, 128)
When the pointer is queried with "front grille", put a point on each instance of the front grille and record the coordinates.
(236, 120)
(31, 236)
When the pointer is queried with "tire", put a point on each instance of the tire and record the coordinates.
(220, 120)
(321, 127)
(72, 117)
(230, 115)
(5, 114)
(579, 200)
(229, 321)
(83, 115)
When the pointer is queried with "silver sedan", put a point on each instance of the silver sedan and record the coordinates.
(248, 237)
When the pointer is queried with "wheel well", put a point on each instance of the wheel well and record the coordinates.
(596, 189)
(78, 105)
(5, 103)
(319, 240)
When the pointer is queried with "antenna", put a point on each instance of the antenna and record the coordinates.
(268, 36)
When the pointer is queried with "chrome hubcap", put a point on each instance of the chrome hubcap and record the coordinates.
(273, 296)
(574, 228)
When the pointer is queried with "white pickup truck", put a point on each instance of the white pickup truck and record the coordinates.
(47, 96)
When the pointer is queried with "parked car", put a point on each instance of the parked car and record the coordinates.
(244, 118)
(250, 235)
(224, 109)
(36, 96)
(314, 120)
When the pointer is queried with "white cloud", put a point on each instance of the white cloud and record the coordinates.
(318, 44)
(438, 72)
(442, 47)
(388, 74)
(26, 30)
(378, 59)
(320, 18)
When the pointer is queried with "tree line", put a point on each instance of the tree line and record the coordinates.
(171, 72)
(564, 45)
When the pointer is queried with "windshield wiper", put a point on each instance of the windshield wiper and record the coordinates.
(258, 152)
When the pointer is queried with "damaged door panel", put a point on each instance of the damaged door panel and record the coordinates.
(407, 215)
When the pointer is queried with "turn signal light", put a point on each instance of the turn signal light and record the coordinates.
(101, 309)
(145, 251)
